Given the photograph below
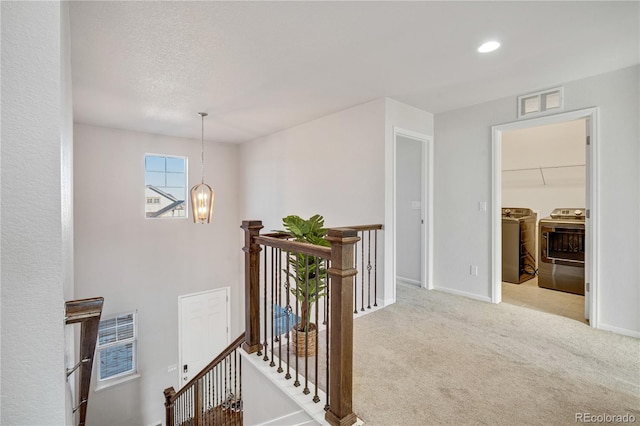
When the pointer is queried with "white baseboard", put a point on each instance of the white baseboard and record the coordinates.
(408, 281)
(463, 293)
(619, 330)
(296, 418)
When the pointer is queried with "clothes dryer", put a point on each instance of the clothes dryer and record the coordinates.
(562, 250)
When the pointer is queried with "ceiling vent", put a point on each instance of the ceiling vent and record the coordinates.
(540, 103)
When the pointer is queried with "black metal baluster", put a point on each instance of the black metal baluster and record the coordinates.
(326, 405)
(266, 347)
(307, 325)
(361, 272)
(209, 397)
(273, 271)
(369, 269)
(375, 268)
(235, 384)
(355, 282)
(296, 383)
(279, 296)
(240, 392)
(287, 287)
(316, 398)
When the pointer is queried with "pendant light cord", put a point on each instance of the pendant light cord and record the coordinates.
(202, 115)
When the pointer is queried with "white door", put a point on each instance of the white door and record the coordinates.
(204, 330)
(409, 210)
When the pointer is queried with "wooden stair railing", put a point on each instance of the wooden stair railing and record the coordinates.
(213, 396)
(339, 261)
(87, 312)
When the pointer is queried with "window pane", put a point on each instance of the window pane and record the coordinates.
(116, 360)
(153, 163)
(175, 165)
(107, 331)
(175, 180)
(155, 179)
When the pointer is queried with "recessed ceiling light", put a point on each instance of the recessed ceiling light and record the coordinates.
(489, 46)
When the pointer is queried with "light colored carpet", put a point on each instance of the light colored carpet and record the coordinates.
(438, 359)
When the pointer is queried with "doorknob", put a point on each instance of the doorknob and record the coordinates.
(185, 378)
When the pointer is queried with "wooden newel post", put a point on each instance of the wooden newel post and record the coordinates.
(341, 273)
(251, 285)
(168, 405)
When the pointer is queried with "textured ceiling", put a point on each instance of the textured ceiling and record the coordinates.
(259, 67)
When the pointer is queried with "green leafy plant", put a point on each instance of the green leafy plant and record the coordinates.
(307, 272)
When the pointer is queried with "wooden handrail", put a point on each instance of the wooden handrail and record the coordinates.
(295, 246)
(376, 226)
(192, 404)
(225, 353)
(87, 312)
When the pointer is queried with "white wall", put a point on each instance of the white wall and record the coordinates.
(552, 148)
(408, 191)
(36, 238)
(332, 166)
(463, 177)
(145, 264)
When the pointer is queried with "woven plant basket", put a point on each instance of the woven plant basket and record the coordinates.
(299, 336)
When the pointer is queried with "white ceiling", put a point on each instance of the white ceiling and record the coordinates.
(259, 67)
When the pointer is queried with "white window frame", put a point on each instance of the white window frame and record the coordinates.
(127, 375)
(186, 183)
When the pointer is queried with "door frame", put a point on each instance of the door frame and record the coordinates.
(426, 266)
(227, 291)
(592, 226)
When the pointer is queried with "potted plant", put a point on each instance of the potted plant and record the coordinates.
(309, 275)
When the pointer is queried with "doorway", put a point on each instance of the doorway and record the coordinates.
(411, 229)
(543, 169)
(587, 121)
(204, 327)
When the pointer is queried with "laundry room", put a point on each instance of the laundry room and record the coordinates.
(543, 218)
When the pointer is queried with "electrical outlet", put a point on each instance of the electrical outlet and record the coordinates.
(172, 368)
(482, 206)
(473, 270)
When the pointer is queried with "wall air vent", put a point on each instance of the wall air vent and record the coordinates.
(539, 103)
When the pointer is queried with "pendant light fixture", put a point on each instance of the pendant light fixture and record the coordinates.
(202, 194)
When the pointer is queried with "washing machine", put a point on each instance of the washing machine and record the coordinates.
(518, 244)
(562, 250)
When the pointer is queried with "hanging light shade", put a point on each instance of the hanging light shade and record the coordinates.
(202, 194)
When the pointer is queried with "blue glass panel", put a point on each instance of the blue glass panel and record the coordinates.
(154, 163)
(175, 180)
(116, 360)
(154, 178)
(175, 165)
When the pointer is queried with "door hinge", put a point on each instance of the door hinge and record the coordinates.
(587, 287)
(588, 140)
(588, 213)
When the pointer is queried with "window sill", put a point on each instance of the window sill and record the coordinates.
(115, 382)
